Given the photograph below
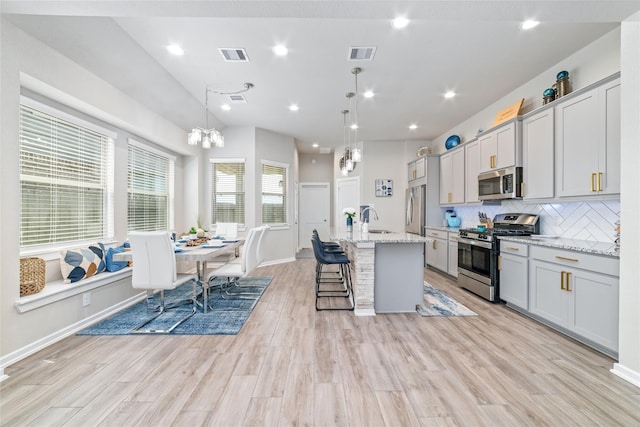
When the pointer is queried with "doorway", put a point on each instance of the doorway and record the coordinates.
(347, 196)
(314, 208)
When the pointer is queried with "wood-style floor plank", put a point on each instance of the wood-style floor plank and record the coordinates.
(293, 366)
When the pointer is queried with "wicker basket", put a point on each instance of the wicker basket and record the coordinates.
(31, 276)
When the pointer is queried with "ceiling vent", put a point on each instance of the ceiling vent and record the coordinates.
(325, 150)
(233, 54)
(361, 53)
(237, 99)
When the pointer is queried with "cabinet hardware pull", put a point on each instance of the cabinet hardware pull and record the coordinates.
(568, 285)
(449, 197)
(599, 177)
(499, 263)
(562, 275)
(522, 189)
(433, 245)
(567, 259)
(593, 175)
(512, 248)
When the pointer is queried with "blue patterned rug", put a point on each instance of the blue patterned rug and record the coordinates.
(438, 304)
(227, 317)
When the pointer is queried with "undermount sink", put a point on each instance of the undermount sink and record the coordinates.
(379, 231)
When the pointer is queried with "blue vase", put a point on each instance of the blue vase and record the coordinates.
(349, 223)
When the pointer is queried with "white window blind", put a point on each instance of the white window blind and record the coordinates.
(274, 194)
(150, 189)
(227, 184)
(66, 180)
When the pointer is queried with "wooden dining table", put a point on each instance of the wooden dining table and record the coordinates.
(200, 255)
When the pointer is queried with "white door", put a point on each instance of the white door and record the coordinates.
(314, 210)
(347, 196)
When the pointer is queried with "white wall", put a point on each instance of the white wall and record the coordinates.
(29, 63)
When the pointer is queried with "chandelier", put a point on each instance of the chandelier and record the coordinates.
(206, 136)
(352, 153)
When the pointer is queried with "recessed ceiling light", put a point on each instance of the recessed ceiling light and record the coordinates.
(400, 22)
(450, 94)
(354, 126)
(225, 107)
(175, 50)
(280, 50)
(369, 94)
(293, 107)
(315, 145)
(413, 126)
(529, 24)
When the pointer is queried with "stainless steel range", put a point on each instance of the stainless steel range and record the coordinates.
(478, 252)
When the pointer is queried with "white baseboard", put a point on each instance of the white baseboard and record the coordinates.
(42, 343)
(364, 312)
(626, 374)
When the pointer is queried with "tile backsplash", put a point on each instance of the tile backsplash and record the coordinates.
(594, 221)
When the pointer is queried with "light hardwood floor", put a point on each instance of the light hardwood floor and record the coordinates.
(291, 365)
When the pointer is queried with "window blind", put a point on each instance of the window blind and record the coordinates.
(65, 172)
(227, 200)
(150, 189)
(274, 194)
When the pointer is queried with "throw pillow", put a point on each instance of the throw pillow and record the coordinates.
(79, 263)
(115, 265)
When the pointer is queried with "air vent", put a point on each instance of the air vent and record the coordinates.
(324, 150)
(237, 99)
(233, 54)
(361, 53)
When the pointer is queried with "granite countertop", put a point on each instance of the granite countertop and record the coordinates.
(441, 228)
(358, 237)
(586, 246)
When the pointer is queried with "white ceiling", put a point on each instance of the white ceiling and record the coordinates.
(473, 47)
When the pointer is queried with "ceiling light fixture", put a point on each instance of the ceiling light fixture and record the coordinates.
(206, 136)
(450, 94)
(413, 126)
(400, 22)
(293, 107)
(175, 50)
(226, 107)
(529, 24)
(315, 145)
(369, 94)
(280, 50)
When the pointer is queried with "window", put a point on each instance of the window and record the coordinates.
(66, 179)
(150, 188)
(227, 186)
(274, 193)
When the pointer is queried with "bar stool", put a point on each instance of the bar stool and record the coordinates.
(344, 279)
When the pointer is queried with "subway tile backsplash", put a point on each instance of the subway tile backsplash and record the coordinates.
(575, 220)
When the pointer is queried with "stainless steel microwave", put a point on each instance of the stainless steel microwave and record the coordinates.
(500, 184)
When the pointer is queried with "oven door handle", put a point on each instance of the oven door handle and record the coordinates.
(478, 243)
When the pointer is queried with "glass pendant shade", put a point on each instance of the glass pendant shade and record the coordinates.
(194, 137)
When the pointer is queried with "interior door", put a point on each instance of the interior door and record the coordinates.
(314, 211)
(347, 196)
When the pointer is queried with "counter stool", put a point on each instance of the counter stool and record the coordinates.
(344, 278)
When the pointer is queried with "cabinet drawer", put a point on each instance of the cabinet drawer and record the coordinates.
(514, 248)
(430, 232)
(453, 237)
(589, 262)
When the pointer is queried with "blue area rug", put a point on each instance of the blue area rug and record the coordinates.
(438, 304)
(227, 317)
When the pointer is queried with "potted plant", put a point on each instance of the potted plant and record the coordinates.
(350, 213)
(193, 234)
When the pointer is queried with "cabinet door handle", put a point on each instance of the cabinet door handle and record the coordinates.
(599, 179)
(591, 183)
(562, 278)
(433, 244)
(522, 189)
(499, 263)
(567, 259)
(512, 249)
(449, 197)
(568, 279)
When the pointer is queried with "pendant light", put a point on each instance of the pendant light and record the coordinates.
(356, 151)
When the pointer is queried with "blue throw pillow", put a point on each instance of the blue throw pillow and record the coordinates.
(79, 263)
(115, 265)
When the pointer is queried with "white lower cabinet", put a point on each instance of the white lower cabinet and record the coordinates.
(514, 274)
(577, 292)
(453, 255)
(436, 252)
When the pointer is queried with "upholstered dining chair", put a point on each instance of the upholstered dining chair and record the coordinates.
(154, 269)
(228, 230)
(248, 261)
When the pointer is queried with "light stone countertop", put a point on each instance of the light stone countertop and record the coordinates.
(442, 228)
(586, 246)
(358, 237)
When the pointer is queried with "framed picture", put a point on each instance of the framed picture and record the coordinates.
(384, 187)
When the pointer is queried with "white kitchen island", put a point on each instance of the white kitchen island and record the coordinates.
(387, 270)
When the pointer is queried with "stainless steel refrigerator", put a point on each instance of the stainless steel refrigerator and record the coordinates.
(415, 209)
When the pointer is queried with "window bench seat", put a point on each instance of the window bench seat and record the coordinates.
(58, 290)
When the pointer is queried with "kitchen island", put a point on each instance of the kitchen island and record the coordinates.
(387, 270)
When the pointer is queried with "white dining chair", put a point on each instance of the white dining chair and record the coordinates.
(228, 230)
(154, 269)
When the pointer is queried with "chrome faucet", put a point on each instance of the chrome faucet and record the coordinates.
(371, 210)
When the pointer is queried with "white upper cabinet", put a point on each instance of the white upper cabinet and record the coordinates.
(452, 177)
(417, 169)
(538, 152)
(472, 169)
(498, 148)
(587, 137)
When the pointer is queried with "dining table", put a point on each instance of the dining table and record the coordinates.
(201, 255)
